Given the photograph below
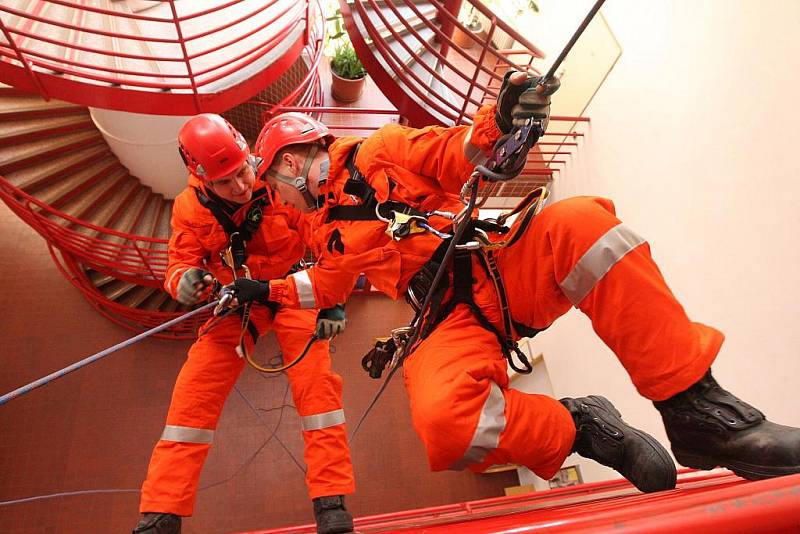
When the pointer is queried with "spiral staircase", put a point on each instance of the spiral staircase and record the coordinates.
(106, 231)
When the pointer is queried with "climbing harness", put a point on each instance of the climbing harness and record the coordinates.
(505, 157)
(401, 219)
(234, 257)
(224, 306)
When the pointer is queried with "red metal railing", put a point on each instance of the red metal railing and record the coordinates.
(128, 317)
(135, 258)
(716, 501)
(467, 75)
(183, 60)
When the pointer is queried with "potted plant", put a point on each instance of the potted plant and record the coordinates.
(472, 22)
(347, 73)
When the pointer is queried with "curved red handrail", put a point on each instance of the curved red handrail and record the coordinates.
(218, 54)
(467, 87)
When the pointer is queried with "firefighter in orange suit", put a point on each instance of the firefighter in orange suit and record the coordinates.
(573, 253)
(224, 198)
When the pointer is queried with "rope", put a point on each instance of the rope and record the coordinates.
(102, 354)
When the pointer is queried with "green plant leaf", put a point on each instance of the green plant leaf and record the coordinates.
(345, 62)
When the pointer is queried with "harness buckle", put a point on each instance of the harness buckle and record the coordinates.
(399, 224)
(469, 245)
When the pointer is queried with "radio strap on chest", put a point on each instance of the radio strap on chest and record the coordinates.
(238, 235)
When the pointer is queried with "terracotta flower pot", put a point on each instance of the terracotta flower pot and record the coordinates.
(346, 90)
(463, 40)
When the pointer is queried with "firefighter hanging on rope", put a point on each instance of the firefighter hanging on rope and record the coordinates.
(385, 205)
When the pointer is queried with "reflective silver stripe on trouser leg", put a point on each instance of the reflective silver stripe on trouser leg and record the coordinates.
(322, 420)
(187, 434)
(609, 249)
(305, 293)
(487, 434)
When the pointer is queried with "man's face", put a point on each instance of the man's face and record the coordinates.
(237, 187)
(291, 164)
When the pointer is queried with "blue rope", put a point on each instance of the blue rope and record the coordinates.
(102, 354)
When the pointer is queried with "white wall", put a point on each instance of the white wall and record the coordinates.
(694, 135)
(147, 145)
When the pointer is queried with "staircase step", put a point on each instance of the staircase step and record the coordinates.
(414, 44)
(22, 155)
(34, 178)
(149, 216)
(164, 229)
(16, 107)
(129, 209)
(134, 298)
(56, 52)
(130, 213)
(110, 207)
(437, 91)
(16, 132)
(400, 24)
(99, 279)
(57, 192)
(155, 301)
(118, 288)
(83, 206)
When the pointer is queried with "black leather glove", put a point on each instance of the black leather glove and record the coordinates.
(519, 100)
(192, 285)
(247, 290)
(331, 322)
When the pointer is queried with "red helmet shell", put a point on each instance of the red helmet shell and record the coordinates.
(288, 129)
(211, 147)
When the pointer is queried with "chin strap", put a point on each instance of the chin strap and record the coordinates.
(300, 182)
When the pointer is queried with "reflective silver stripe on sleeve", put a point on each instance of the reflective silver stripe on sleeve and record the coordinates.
(487, 435)
(474, 154)
(187, 434)
(305, 293)
(322, 420)
(598, 260)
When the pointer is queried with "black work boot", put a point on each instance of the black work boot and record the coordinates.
(158, 523)
(331, 515)
(603, 436)
(710, 427)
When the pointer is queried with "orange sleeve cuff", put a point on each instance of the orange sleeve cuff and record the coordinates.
(280, 291)
(485, 132)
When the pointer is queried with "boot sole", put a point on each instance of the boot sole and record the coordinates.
(650, 440)
(342, 528)
(744, 470)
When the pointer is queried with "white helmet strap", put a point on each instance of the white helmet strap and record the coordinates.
(300, 182)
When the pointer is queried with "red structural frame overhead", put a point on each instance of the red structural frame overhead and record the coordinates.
(91, 83)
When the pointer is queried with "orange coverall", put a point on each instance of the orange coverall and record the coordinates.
(213, 366)
(574, 253)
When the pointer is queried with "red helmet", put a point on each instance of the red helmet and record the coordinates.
(211, 148)
(288, 129)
